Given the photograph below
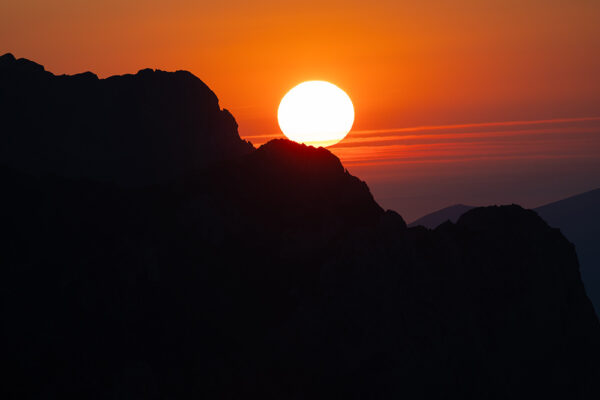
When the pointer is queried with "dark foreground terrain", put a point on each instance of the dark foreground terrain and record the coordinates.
(150, 253)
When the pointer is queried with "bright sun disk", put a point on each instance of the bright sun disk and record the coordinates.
(316, 113)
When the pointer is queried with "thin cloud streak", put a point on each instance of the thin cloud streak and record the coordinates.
(492, 149)
(476, 125)
(483, 136)
(392, 134)
(468, 159)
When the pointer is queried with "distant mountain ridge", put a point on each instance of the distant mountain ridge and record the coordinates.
(200, 267)
(436, 218)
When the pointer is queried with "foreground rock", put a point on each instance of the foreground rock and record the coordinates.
(274, 274)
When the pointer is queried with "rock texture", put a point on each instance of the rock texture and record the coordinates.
(274, 274)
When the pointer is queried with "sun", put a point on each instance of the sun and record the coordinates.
(316, 113)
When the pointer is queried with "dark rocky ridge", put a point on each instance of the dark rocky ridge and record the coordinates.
(274, 274)
(133, 129)
(577, 217)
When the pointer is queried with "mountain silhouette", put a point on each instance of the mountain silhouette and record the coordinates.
(264, 273)
(578, 218)
(436, 218)
(133, 129)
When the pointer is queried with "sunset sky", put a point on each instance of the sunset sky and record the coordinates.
(475, 102)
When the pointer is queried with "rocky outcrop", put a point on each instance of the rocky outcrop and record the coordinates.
(578, 218)
(132, 129)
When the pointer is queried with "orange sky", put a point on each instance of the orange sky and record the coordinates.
(404, 64)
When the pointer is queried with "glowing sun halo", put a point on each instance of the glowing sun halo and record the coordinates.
(316, 113)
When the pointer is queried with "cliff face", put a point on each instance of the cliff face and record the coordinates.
(578, 218)
(273, 273)
(133, 129)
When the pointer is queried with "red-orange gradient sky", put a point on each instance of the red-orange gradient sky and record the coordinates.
(433, 82)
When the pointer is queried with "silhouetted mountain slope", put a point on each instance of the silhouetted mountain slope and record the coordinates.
(274, 274)
(132, 129)
(436, 218)
(578, 218)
